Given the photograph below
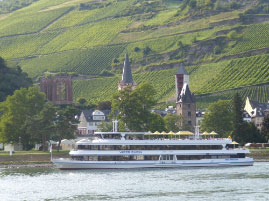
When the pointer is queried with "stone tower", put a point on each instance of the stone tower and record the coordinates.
(127, 78)
(58, 90)
(186, 104)
(181, 77)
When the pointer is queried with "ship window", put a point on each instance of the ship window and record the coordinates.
(166, 157)
(241, 155)
(150, 147)
(106, 158)
(123, 158)
(224, 156)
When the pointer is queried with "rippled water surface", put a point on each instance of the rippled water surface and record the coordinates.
(233, 183)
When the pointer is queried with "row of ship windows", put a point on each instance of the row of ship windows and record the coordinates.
(154, 157)
(149, 147)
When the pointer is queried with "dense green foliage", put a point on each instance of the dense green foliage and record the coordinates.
(172, 122)
(265, 128)
(27, 118)
(226, 118)
(11, 80)
(218, 118)
(17, 111)
(237, 118)
(134, 108)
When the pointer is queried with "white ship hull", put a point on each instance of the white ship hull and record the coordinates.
(65, 164)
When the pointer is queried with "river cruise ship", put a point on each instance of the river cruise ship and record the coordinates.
(113, 150)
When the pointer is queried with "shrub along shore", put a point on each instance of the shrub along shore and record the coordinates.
(28, 159)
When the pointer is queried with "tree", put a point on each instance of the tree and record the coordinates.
(251, 133)
(218, 118)
(11, 79)
(106, 126)
(136, 49)
(218, 5)
(146, 51)
(234, 5)
(104, 105)
(265, 128)
(193, 3)
(82, 101)
(156, 123)
(16, 110)
(65, 124)
(84, 104)
(41, 126)
(180, 44)
(134, 106)
(233, 35)
(237, 118)
(172, 122)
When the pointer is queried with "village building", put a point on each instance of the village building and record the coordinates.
(89, 121)
(127, 78)
(185, 104)
(246, 117)
(257, 111)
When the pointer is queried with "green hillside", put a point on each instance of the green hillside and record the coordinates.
(224, 44)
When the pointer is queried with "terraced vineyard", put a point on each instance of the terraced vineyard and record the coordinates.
(240, 72)
(87, 36)
(253, 37)
(23, 24)
(80, 61)
(258, 93)
(102, 89)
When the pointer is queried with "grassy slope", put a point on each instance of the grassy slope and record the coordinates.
(64, 38)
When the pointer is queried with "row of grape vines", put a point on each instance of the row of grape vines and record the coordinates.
(88, 61)
(21, 24)
(240, 72)
(253, 37)
(258, 93)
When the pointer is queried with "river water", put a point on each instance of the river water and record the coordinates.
(233, 183)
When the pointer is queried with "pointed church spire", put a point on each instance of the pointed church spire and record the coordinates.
(182, 70)
(127, 77)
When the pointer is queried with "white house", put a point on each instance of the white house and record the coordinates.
(89, 121)
(257, 111)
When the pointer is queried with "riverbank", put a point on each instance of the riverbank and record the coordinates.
(25, 159)
(30, 159)
(260, 155)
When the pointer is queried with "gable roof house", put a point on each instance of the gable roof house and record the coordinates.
(89, 121)
(257, 111)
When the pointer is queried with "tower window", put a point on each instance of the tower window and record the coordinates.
(189, 114)
(189, 122)
(189, 105)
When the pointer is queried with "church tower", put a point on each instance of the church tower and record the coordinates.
(127, 78)
(186, 104)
